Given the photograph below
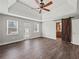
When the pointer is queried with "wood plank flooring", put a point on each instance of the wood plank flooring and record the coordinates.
(40, 48)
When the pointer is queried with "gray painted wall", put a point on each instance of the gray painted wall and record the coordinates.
(4, 38)
(23, 10)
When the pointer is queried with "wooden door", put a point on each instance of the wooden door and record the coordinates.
(66, 29)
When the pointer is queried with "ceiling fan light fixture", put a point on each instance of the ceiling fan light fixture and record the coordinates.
(42, 5)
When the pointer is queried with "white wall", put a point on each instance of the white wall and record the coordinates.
(75, 31)
(49, 29)
(3, 6)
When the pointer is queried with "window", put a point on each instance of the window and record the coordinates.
(36, 27)
(12, 27)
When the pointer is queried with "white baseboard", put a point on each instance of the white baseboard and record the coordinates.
(50, 38)
(75, 43)
(11, 42)
(15, 41)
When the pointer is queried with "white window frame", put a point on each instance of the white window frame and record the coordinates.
(12, 33)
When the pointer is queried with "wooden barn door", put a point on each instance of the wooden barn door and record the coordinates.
(66, 29)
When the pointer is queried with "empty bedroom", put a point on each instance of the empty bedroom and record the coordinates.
(39, 29)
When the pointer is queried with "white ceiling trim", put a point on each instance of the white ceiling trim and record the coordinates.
(14, 15)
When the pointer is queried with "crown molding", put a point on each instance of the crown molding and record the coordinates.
(19, 16)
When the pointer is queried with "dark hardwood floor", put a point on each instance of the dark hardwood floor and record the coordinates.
(40, 48)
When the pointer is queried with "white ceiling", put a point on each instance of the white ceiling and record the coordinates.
(11, 2)
(31, 3)
(56, 3)
(58, 8)
(61, 9)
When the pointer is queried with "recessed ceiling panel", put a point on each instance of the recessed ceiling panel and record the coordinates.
(31, 3)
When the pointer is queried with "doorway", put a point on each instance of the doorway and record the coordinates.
(26, 35)
(58, 30)
(27, 31)
(64, 29)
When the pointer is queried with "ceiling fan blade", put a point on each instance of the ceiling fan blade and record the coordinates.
(49, 3)
(45, 9)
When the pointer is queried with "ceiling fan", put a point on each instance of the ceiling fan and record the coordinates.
(42, 5)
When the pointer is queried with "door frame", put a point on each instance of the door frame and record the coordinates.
(27, 25)
(58, 29)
